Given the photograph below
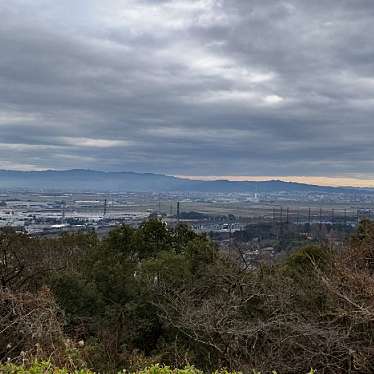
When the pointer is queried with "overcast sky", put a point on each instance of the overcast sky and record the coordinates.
(188, 87)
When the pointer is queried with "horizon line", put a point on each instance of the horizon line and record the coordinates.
(334, 181)
(322, 181)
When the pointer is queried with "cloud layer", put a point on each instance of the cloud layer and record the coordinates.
(192, 87)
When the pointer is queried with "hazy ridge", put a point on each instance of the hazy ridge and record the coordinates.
(99, 181)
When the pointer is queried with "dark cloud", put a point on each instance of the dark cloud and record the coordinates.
(192, 87)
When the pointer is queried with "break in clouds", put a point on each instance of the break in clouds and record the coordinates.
(194, 87)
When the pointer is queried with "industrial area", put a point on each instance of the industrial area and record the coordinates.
(53, 213)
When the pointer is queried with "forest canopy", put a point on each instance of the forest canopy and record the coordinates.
(154, 294)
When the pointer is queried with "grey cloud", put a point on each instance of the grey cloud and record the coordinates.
(218, 87)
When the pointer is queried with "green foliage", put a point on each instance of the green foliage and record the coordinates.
(159, 369)
(152, 238)
(304, 260)
(200, 253)
(39, 367)
(182, 236)
(45, 367)
(109, 302)
(122, 241)
(304, 267)
(78, 297)
(155, 294)
(364, 232)
(169, 268)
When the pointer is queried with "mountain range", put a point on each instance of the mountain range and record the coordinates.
(78, 180)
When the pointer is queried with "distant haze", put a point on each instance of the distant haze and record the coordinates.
(320, 181)
(98, 181)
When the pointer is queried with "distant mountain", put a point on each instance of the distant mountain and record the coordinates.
(97, 181)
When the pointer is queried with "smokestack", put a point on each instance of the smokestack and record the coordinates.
(63, 213)
(105, 207)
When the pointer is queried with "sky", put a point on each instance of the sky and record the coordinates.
(234, 88)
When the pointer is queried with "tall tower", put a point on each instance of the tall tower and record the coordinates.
(178, 211)
(63, 212)
(105, 207)
(345, 217)
(309, 216)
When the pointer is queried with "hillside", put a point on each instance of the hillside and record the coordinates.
(153, 294)
(98, 181)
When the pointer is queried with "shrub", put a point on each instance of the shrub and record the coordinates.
(45, 367)
(39, 367)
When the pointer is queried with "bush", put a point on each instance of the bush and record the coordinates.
(46, 367)
(39, 367)
(158, 295)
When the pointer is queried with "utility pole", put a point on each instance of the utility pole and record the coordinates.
(230, 233)
(309, 216)
(63, 213)
(281, 223)
(345, 217)
(281, 215)
(358, 216)
(178, 212)
(105, 207)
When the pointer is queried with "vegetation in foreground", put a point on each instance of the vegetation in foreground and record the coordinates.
(154, 295)
(46, 367)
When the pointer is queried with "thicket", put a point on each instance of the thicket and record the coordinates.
(154, 295)
(46, 367)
